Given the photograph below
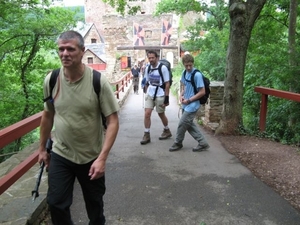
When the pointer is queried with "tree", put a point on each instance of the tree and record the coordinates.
(24, 56)
(243, 15)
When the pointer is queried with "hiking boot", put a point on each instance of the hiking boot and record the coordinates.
(146, 138)
(175, 147)
(201, 148)
(165, 134)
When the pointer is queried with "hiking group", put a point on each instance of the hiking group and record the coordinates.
(158, 80)
(77, 102)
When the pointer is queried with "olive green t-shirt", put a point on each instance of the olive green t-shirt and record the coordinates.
(79, 133)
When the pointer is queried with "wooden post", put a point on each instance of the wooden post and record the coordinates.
(263, 112)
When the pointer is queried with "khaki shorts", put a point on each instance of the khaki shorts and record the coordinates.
(159, 101)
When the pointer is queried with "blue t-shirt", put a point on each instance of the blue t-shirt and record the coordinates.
(189, 89)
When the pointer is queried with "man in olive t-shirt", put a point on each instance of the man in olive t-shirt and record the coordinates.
(80, 148)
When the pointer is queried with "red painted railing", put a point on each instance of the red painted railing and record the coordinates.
(264, 101)
(19, 129)
(121, 84)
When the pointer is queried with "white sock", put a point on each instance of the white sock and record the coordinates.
(147, 130)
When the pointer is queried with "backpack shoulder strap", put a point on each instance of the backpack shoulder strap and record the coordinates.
(52, 82)
(160, 72)
(97, 89)
(193, 80)
(184, 73)
(96, 82)
(148, 69)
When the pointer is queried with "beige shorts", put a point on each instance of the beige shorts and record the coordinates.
(159, 101)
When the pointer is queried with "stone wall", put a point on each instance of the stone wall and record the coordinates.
(213, 109)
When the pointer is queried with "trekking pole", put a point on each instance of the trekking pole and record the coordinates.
(35, 192)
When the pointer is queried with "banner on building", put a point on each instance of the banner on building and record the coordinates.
(138, 35)
(166, 32)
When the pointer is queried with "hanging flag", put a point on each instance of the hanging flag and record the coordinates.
(166, 32)
(138, 35)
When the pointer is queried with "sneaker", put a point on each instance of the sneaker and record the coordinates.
(165, 134)
(146, 138)
(201, 148)
(175, 147)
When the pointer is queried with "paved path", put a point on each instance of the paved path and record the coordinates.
(148, 185)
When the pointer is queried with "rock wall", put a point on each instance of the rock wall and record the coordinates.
(214, 106)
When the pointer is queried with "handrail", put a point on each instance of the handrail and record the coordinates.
(124, 81)
(264, 101)
(19, 129)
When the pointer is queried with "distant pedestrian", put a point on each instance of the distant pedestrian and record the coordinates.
(80, 148)
(190, 105)
(157, 95)
(135, 72)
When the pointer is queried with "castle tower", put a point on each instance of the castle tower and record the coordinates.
(94, 12)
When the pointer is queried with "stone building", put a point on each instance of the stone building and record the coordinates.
(94, 55)
(132, 36)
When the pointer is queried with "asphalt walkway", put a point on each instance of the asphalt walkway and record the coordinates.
(147, 184)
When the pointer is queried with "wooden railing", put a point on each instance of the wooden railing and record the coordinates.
(121, 84)
(19, 129)
(264, 101)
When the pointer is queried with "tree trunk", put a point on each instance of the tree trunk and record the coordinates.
(292, 45)
(293, 60)
(242, 18)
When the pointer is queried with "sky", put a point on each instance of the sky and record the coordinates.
(73, 2)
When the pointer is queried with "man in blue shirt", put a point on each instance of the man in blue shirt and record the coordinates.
(190, 105)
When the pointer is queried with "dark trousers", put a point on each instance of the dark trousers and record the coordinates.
(135, 83)
(61, 178)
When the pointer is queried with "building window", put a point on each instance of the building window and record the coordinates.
(93, 40)
(90, 60)
(148, 34)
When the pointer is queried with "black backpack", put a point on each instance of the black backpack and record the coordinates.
(96, 84)
(168, 65)
(206, 82)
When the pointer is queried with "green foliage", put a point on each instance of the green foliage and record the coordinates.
(212, 58)
(26, 56)
(122, 5)
(268, 66)
(267, 61)
(177, 72)
(178, 6)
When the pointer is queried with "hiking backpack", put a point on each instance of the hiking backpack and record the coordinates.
(168, 65)
(96, 85)
(206, 82)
